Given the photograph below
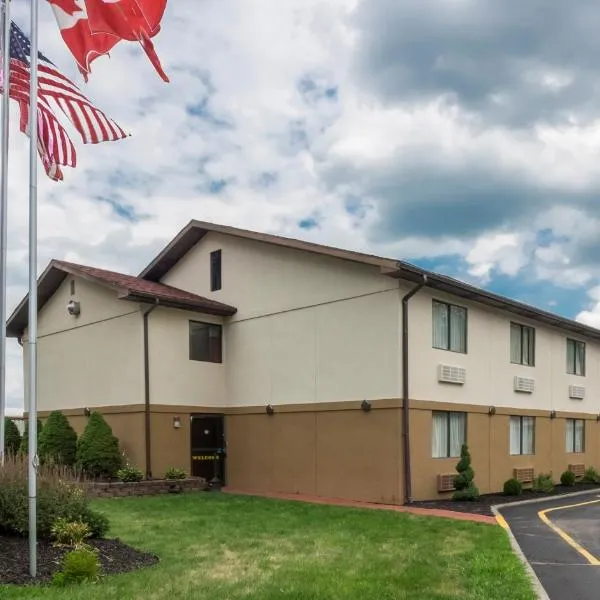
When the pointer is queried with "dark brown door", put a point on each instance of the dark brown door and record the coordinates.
(208, 448)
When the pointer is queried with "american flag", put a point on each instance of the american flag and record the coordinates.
(54, 144)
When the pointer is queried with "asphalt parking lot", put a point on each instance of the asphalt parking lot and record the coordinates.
(561, 540)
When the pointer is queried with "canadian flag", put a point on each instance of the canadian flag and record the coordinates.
(91, 28)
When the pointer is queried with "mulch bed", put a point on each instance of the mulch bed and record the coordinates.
(114, 555)
(483, 506)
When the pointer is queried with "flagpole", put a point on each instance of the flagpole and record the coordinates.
(33, 301)
(4, 216)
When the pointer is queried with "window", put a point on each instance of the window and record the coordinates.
(574, 435)
(205, 342)
(575, 357)
(449, 327)
(72, 287)
(522, 345)
(448, 434)
(215, 270)
(522, 433)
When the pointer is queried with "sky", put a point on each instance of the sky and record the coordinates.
(460, 135)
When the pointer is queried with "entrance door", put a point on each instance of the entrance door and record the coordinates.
(208, 448)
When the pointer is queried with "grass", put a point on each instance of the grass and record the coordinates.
(225, 547)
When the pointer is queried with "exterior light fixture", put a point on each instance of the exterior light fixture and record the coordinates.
(270, 410)
(492, 411)
(87, 412)
(598, 417)
(74, 308)
(176, 422)
(365, 406)
(553, 414)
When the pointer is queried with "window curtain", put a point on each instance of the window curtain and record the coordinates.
(528, 435)
(527, 337)
(579, 358)
(515, 343)
(440, 326)
(579, 435)
(458, 329)
(569, 433)
(439, 437)
(457, 432)
(515, 435)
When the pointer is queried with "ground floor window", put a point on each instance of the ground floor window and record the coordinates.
(575, 435)
(522, 434)
(448, 433)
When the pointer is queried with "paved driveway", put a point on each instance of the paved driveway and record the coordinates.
(561, 540)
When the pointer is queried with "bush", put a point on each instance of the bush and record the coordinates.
(591, 475)
(175, 473)
(78, 565)
(12, 437)
(24, 447)
(513, 487)
(463, 482)
(130, 473)
(70, 533)
(58, 440)
(98, 449)
(568, 478)
(59, 496)
(543, 483)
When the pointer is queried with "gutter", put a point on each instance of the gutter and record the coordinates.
(148, 440)
(406, 393)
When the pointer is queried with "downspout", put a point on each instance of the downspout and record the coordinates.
(406, 394)
(147, 393)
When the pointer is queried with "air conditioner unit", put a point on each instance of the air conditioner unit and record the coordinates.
(449, 374)
(576, 392)
(524, 384)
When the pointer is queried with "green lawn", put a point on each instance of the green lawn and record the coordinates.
(225, 547)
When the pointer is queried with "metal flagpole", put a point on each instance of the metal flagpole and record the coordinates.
(32, 321)
(4, 216)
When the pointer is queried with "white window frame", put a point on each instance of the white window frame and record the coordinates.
(573, 368)
(449, 308)
(448, 453)
(520, 419)
(574, 429)
(520, 360)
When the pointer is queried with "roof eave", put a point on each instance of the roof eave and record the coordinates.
(223, 310)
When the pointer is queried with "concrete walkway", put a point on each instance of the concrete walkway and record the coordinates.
(449, 514)
(560, 538)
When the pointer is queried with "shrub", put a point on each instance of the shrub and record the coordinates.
(568, 478)
(591, 475)
(130, 473)
(58, 440)
(24, 447)
(543, 483)
(98, 449)
(463, 482)
(70, 533)
(59, 496)
(12, 437)
(513, 487)
(175, 473)
(78, 565)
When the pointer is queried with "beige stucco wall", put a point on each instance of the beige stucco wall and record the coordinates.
(91, 360)
(174, 378)
(489, 372)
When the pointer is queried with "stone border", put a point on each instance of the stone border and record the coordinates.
(152, 487)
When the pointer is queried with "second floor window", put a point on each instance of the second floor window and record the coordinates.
(575, 357)
(449, 327)
(522, 345)
(205, 342)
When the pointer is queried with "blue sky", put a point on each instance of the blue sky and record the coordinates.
(461, 135)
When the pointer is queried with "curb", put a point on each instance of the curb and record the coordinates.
(537, 584)
(550, 499)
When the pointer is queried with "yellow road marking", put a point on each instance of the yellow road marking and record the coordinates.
(502, 521)
(565, 536)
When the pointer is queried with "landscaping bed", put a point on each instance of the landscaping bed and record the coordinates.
(483, 505)
(115, 489)
(114, 556)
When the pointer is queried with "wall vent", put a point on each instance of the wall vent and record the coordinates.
(576, 392)
(449, 374)
(445, 482)
(524, 474)
(524, 384)
(578, 469)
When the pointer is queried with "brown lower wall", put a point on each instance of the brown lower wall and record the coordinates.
(347, 453)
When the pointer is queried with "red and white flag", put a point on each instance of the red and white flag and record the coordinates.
(91, 28)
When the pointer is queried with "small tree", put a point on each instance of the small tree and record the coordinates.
(463, 482)
(24, 447)
(58, 440)
(12, 437)
(98, 449)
